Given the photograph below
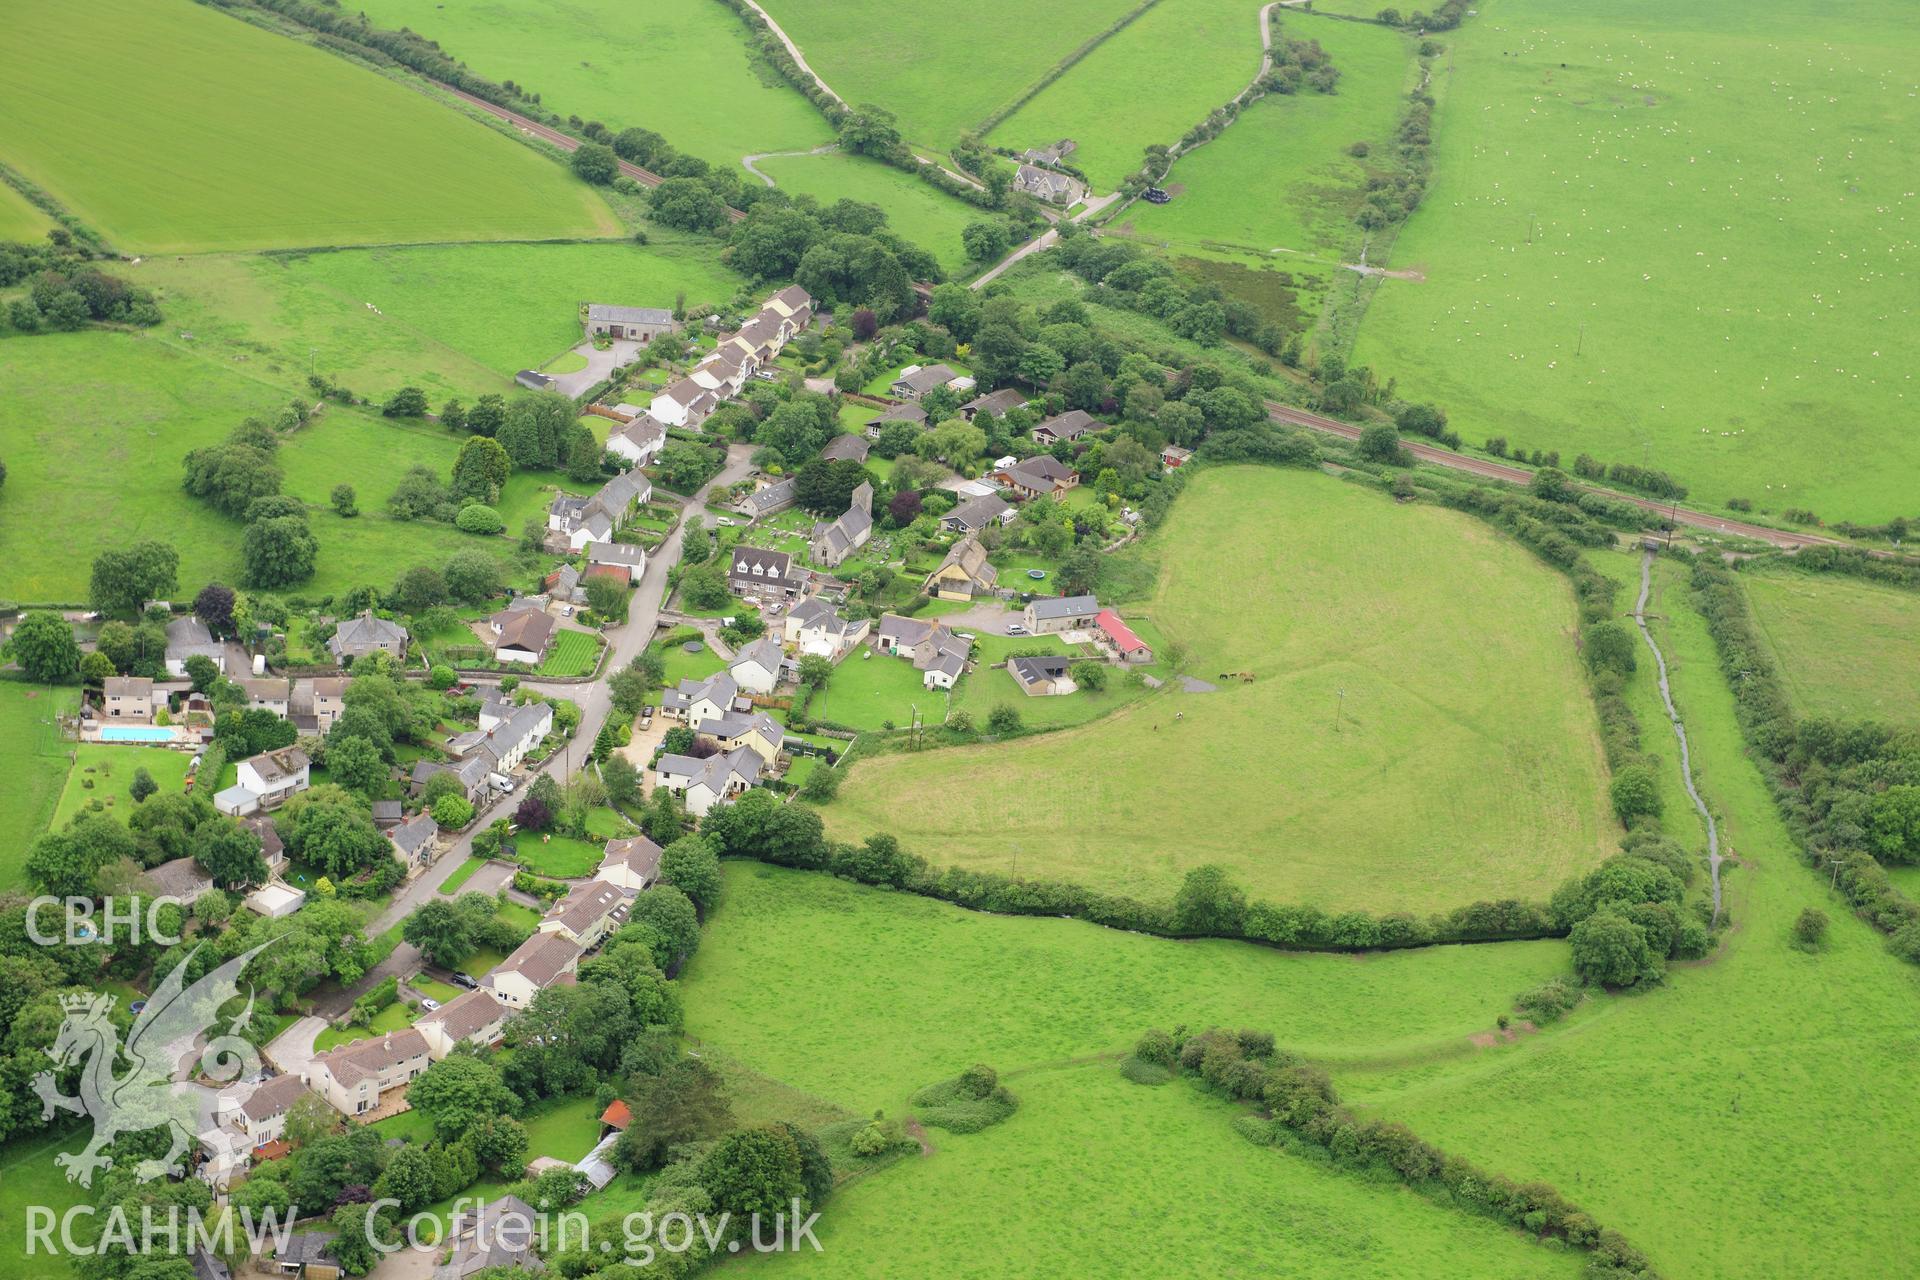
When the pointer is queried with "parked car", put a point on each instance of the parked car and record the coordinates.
(1015, 629)
(429, 1003)
(462, 980)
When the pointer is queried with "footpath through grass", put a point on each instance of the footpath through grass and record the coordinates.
(1416, 734)
(239, 138)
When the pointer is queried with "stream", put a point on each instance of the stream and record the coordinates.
(1679, 731)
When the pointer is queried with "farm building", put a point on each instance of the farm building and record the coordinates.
(632, 324)
(1060, 613)
(1111, 633)
(1041, 677)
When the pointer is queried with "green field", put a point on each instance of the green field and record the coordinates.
(1074, 1185)
(597, 59)
(30, 1179)
(242, 139)
(1279, 181)
(95, 425)
(905, 57)
(19, 219)
(36, 768)
(871, 691)
(989, 687)
(1417, 734)
(110, 767)
(1640, 179)
(920, 214)
(1149, 83)
(573, 653)
(906, 990)
(1845, 648)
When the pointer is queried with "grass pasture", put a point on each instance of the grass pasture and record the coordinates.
(587, 59)
(19, 219)
(36, 768)
(891, 53)
(1417, 734)
(1640, 179)
(110, 768)
(243, 139)
(920, 214)
(1148, 83)
(1845, 648)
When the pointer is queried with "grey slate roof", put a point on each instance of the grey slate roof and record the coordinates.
(1034, 670)
(846, 447)
(629, 315)
(1064, 606)
(766, 651)
(976, 514)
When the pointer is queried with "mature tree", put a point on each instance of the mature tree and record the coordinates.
(452, 812)
(596, 163)
(755, 1172)
(489, 412)
(355, 1228)
(442, 931)
(607, 597)
(870, 130)
(473, 577)
(278, 552)
(460, 1091)
(826, 487)
(689, 865)
(203, 672)
(1381, 443)
(481, 469)
(1612, 950)
(232, 475)
(985, 241)
(685, 1103)
(1209, 903)
(687, 204)
(355, 763)
(1634, 793)
(124, 580)
(671, 912)
(904, 507)
(332, 829)
(815, 670)
(143, 785)
(230, 853)
(1893, 824)
(409, 1178)
(1609, 647)
(214, 606)
(407, 402)
(44, 646)
(1552, 484)
(96, 669)
(955, 308)
(345, 502)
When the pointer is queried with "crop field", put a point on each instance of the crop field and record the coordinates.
(19, 219)
(1617, 184)
(938, 987)
(110, 768)
(889, 52)
(97, 423)
(597, 59)
(915, 211)
(1416, 733)
(1845, 648)
(1279, 181)
(1068, 1183)
(36, 768)
(1761, 1050)
(1150, 82)
(242, 139)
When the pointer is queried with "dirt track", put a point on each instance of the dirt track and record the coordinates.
(1440, 457)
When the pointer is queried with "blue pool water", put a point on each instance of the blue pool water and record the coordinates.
(135, 733)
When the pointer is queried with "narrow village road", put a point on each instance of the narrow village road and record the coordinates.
(1679, 731)
(1041, 243)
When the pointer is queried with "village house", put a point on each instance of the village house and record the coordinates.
(263, 1114)
(916, 380)
(833, 543)
(353, 1077)
(934, 650)
(1050, 155)
(472, 1017)
(587, 914)
(564, 584)
(1173, 457)
(757, 668)
(188, 637)
(725, 372)
(631, 863)
(521, 635)
(415, 840)
(268, 695)
(684, 403)
(760, 338)
(995, 404)
(266, 781)
(1041, 677)
(622, 561)
(846, 447)
(317, 703)
(308, 1255)
(976, 514)
(129, 699)
(706, 783)
(754, 573)
(1113, 634)
(535, 965)
(357, 637)
(770, 499)
(1042, 476)
(272, 849)
(500, 1237)
(965, 574)
(1059, 613)
(1068, 426)
(388, 814)
(759, 732)
(698, 701)
(638, 441)
(631, 324)
(578, 521)
(507, 735)
(1047, 184)
(794, 303)
(908, 412)
(180, 879)
(471, 770)
(815, 628)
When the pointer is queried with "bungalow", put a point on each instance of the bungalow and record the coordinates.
(935, 651)
(1047, 185)
(698, 701)
(263, 1116)
(916, 380)
(415, 839)
(846, 447)
(501, 1237)
(631, 324)
(521, 635)
(1042, 476)
(770, 499)
(1060, 613)
(587, 914)
(1068, 426)
(188, 637)
(712, 781)
(814, 628)
(995, 404)
(757, 667)
(354, 1076)
(357, 637)
(626, 561)
(317, 703)
(1173, 457)
(756, 573)
(759, 733)
(472, 1017)
(833, 543)
(976, 514)
(266, 781)
(630, 863)
(639, 441)
(129, 698)
(181, 880)
(909, 413)
(268, 695)
(1111, 633)
(535, 965)
(965, 574)
(1041, 677)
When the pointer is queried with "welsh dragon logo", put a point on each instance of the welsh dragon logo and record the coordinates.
(160, 1050)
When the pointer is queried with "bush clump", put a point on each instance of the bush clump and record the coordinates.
(969, 1102)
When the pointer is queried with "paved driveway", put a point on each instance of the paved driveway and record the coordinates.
(600, 366)
(292, 1049)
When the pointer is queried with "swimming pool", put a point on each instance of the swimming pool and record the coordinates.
(135, 733)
